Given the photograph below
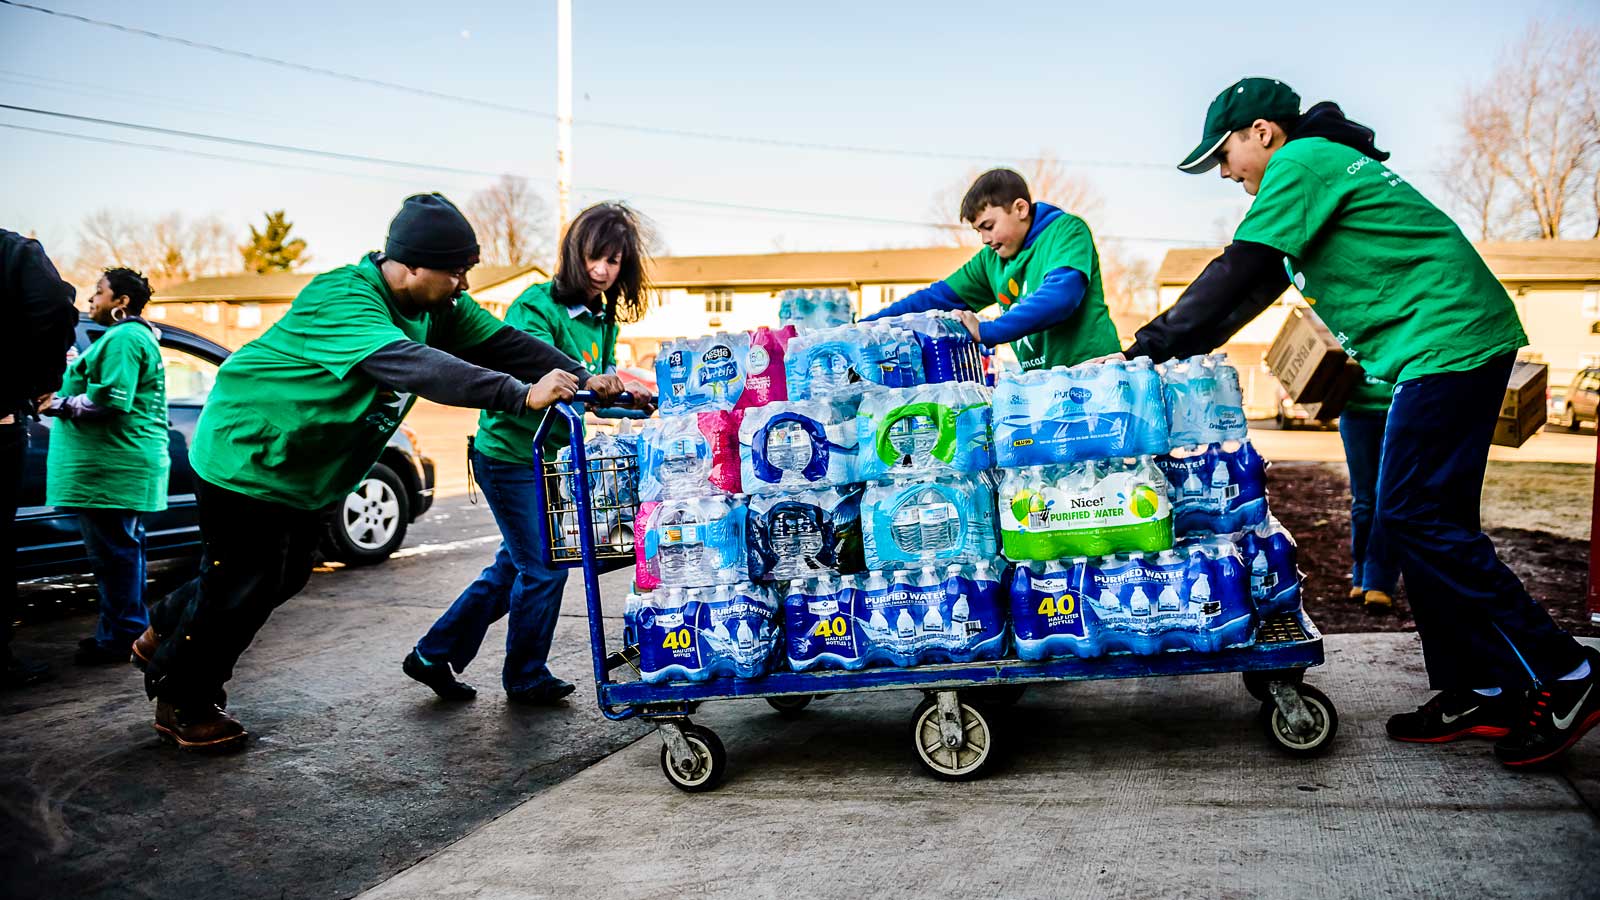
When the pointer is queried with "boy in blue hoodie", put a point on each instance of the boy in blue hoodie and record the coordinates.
(1039, 264)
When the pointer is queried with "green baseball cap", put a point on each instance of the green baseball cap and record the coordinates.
(1241, 103)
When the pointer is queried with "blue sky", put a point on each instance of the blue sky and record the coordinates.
(1092, 84)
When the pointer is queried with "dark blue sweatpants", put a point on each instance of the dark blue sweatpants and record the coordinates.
(1479, 627)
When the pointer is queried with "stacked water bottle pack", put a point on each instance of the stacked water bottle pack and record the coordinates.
(814, 309)
(1110, 506)
(697, 614)
(1217, 480)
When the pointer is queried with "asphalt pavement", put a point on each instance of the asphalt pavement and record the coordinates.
(353, 771)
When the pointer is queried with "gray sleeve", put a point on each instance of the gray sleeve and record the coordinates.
(521, 354)
(438, 376)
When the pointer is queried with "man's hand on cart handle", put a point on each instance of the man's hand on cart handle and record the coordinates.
(606, 387)
(554, 387)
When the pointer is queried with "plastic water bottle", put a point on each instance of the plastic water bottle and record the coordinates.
(961, 609)
(683, 552)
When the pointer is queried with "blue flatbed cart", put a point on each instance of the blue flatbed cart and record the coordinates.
(951, 730)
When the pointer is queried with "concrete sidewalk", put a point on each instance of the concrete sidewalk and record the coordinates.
(1150, 788)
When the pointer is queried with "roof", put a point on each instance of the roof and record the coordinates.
(1509, 260)
(779, 270)
(281, 287)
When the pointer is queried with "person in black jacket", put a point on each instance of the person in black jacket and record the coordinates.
(37, 325)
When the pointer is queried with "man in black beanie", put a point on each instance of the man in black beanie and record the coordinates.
(296, 419)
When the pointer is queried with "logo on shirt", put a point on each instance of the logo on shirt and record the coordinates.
(388, 408)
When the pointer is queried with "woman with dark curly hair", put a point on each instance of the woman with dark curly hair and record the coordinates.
(108, 456)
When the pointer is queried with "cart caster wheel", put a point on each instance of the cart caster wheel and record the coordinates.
(1256, 681)
(710, 758)
(789, 707)
(1324, 720)
(964, 763)
(997, 696)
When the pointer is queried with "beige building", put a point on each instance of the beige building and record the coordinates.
(1555, 285)
(234, 309)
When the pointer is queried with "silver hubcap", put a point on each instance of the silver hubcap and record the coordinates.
(371, 514)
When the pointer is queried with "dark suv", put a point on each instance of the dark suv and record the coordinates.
(1578, 406)
(365, 528)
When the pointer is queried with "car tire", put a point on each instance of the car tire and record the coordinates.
(1572, 423)
(369, 525)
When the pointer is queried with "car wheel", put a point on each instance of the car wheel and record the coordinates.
(1571, 422)
(370, 524)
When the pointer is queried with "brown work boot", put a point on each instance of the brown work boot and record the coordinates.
(144, 648)
(1377, 603)
(205, 727)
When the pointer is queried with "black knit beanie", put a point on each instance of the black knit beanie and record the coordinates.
(431, 233)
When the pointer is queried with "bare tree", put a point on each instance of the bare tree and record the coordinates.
(167, 249)
(1531, 132)
(509, 219)
(1129, 280)
(1048, 180)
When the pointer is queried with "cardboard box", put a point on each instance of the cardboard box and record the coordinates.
(1313, 369)
(1522, 409)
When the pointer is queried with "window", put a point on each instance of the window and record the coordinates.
(719, 301)
(1591, 301)
(250, 315)
(888, 296)
(189, 377)
(156, 312)
(210, 313)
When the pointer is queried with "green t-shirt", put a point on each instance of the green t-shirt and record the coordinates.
(1063, 243)
(118, 461)
(291, 419)
(573, 330)
(1393, 278)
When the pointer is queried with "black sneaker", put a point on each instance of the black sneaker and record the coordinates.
(546, 694)
(1558, 714)
(1453, 715)
(439, 677)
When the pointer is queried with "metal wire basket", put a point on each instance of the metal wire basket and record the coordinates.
(613, 484)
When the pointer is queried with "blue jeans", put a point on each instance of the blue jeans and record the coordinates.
(516, 585)
(115, 541)
(1479, 627)
(1373, 567)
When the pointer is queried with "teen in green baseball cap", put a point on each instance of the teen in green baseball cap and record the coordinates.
(1410, 299)
(1240, 104)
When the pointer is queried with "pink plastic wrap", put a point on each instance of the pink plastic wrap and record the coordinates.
(646, 573)
(721, 429)
(764, 381)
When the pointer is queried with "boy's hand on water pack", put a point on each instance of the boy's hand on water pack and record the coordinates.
(1109, 357)
(554, 387)
(969, 319)
(606, 387)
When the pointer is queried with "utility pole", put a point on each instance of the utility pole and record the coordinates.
(563, 115)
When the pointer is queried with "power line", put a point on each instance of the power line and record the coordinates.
(186, 151)
(245, 142)
(349, 157)
(751, 140)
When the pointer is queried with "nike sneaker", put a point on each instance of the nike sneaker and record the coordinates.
(1453, 715)
(1557, 715)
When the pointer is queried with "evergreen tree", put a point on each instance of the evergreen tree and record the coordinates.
(270, 249)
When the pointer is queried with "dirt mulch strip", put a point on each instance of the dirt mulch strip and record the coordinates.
(1313, 502)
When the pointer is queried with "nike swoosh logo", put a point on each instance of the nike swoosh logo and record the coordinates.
(1446, 718)
(1562, 723)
